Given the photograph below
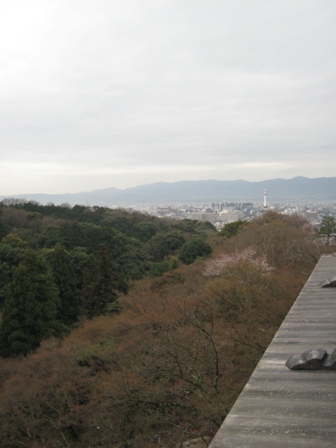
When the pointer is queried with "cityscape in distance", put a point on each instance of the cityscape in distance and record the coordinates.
(298, 190)
(219, 202)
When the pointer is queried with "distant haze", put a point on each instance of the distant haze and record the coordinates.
(100, 93)
(299, 189)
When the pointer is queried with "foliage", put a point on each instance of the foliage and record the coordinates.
(197, 247)
(64, 276)
(170, 354)
(158, 269)
(94, 252)
(285, 241)
(231, 229)
(31, 307)
(4, 229)
(5, 279)
(163, 244)
(99, 287)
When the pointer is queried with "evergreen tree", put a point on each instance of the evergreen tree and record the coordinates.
(31, 307)
(232, 228)
(64, 277)
(5, 278)
(100, 283)
(197, 247)
(4, 229)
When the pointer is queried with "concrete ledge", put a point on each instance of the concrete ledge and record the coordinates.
(291, 408)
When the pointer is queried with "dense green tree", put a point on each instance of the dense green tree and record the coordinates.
(140, 245)
(197, 247)
(100, 283)
(31, 307)
(187, 225)
(10, 255)
(12, 248)
(65, 280)
(133, 263)
(80, 259)
(164, 244)
(231, 229)
(158, 269)
(205, 228)
(33, 228)
(5, 278)
(15, 241)
(49, 236)
(144, 231)
(4, 229)
(71, 235)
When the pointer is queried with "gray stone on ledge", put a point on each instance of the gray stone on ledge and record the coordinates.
(315, 359)
(330, 283)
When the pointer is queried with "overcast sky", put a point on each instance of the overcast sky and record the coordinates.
(119, 93)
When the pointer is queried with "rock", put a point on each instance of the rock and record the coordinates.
(315, 359)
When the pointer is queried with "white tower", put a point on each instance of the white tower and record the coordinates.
(265, 198)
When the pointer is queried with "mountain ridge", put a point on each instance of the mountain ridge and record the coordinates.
(298, 189)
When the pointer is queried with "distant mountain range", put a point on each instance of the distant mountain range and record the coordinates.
(298, 189)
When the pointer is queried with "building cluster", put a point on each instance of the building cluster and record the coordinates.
(220, 214)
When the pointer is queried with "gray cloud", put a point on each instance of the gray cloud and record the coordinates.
(99, 93)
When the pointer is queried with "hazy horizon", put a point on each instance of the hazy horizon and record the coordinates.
(102, 94)
(74, 193)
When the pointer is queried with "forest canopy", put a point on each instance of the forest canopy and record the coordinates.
(129, 328)
(62, 263)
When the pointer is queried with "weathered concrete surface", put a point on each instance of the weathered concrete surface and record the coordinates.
(291, 408)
